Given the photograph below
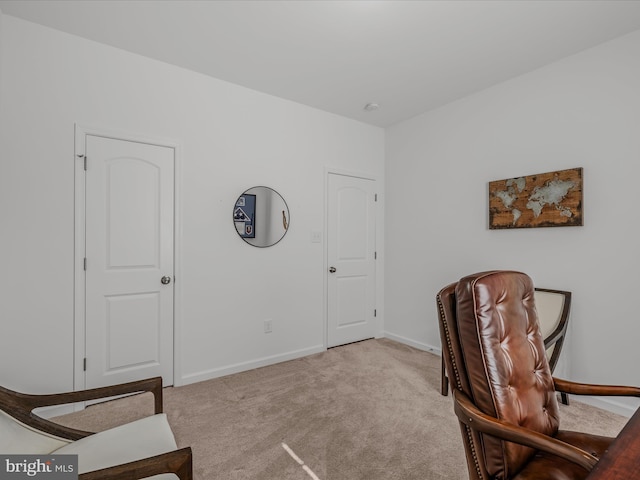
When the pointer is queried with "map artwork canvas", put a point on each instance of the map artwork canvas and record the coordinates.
(551, 199)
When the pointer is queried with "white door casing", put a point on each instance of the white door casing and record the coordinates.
(351, 252)
(129, 248)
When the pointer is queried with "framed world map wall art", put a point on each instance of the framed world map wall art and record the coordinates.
(552, 199)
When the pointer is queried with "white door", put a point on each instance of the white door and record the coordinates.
(129, 261)
(351, 259)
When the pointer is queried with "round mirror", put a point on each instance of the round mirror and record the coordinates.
(261, 216)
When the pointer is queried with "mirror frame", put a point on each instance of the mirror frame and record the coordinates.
(286, 216)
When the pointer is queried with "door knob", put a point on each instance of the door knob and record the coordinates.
(332, 269)
(165, 280)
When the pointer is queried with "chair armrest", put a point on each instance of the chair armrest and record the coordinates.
(471, 416)
(153, 385)
(20, 405)
(179, 462)
(576, 388)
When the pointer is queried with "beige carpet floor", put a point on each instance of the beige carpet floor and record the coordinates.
(370, 410)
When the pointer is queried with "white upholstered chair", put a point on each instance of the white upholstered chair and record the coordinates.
(145, 448)
(553, 308)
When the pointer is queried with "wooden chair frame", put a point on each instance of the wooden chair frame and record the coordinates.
(20, 406)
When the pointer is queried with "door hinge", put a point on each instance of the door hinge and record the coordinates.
(375, 255)
(85, 163)
(85, 264)
(375, 197)
(84, 364)
(375, 312)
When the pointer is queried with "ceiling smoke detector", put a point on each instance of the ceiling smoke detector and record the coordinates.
(371, 107)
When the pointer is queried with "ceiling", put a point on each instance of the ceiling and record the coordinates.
(406, 56)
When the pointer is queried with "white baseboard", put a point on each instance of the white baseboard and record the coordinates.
(413, 343)
(244, 366)
(605, 403)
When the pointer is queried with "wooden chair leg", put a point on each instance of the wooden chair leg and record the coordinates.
(444, 382)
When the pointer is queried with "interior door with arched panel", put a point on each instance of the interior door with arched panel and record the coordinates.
(129, 261)
(351, 256)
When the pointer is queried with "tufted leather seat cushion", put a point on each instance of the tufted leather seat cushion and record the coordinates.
(557, 468)
(508, 373)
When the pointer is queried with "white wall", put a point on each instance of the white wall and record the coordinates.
(583, 111)
(1, 50)
(232, 138)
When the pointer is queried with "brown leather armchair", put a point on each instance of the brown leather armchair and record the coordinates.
(504, 394)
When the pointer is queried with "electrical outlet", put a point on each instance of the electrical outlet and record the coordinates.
(316, 236)
(267, 326)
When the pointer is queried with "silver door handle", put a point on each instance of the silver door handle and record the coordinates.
(332, 269)
(166, 280)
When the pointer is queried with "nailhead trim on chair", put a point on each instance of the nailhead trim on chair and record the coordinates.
(449, 347)
(476, 462)
(459, 387)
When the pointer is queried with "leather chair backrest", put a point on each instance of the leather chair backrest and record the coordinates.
(498, 360)
(457, 374)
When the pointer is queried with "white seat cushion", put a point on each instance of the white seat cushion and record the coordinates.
(143, 438)
(549, 306)
(18, 438)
